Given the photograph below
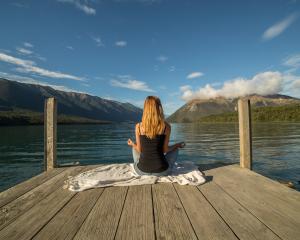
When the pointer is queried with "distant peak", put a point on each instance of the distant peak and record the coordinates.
(250, 96)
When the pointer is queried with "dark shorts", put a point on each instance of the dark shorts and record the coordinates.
(170, 156)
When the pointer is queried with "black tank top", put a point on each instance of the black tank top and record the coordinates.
(152, 158)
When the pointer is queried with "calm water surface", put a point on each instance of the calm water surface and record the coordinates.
(276, 147)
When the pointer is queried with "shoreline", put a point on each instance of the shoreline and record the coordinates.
(41, 124)
(113, 122)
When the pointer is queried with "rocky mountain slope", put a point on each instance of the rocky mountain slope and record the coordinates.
(16, 96)
(196, 109)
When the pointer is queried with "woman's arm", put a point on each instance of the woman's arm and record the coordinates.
(136, 146)
(168, 148)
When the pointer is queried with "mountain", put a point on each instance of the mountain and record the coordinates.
(16, 96)
(285, 113)
(194, 110)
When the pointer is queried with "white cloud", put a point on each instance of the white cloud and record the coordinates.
(15, 77)
(24, 51)
(121, 43)
(98, 41)
(99, 78)
(170, 107)
(81, 5)
(185, 88)
(162, 58)
(291, 85)
(85, 84)
(70, 47)
(194, 75)
(296, 84)
(23, 79)
(27, 51)
(292, 61)
(40, 57)
(263, 83)
(17, 61)
(279, 27)
(27, 66)
(5, 50)
(47, 73)
(172, 69)
(126, 81)
(28, 45)
(216, 84)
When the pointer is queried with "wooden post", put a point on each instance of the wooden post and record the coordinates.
(50, 124)
(244, 110)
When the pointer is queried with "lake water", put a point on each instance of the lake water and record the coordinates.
(276, 147)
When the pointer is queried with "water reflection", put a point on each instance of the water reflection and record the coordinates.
(276, 147)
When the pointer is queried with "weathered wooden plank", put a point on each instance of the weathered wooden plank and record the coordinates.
(274, 205)
(103, 220)
(205, 220)
(23, 203)
(171, 221)
(32, 220)
(137, 217)
(29, 223)
(288, 199)
(240, 220)
(274, 188)
(18, 190)
(50, 133)
(245, 133)
(65, 224)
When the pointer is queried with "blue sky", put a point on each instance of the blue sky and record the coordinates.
(176, 49)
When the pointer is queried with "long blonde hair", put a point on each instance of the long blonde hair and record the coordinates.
(153, 121)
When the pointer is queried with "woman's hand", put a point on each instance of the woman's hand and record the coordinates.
(130, 142)
(181, 145)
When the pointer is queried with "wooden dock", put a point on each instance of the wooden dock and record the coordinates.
(234, 203)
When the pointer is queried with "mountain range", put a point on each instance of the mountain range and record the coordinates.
(17, 96)
(22, 101)
(194, 110)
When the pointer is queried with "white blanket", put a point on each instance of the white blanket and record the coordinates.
(184, 173)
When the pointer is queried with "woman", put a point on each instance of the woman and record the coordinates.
(152, 154)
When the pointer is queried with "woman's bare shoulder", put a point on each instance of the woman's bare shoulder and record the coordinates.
(137, 126)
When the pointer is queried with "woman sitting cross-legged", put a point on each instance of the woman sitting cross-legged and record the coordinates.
(152, 154)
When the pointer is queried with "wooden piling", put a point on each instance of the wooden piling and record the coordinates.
(244, 110)
(50, 135)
